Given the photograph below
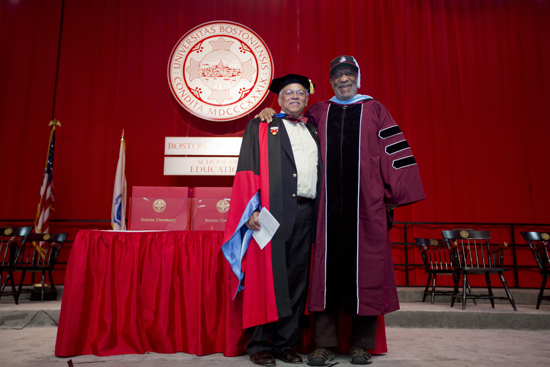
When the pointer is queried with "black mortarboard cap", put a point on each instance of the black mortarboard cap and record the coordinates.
(279, 83)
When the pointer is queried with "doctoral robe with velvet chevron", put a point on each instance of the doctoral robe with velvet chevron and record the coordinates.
(367, 162)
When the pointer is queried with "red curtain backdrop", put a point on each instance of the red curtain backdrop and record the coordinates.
(467, 80)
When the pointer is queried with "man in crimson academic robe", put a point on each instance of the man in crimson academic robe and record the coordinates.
(279, 170)
(369, 170)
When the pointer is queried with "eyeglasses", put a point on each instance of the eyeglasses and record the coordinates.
(290, 93)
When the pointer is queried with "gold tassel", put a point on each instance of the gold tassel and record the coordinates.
(311, 87)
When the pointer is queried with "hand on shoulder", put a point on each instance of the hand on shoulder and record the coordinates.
(266, 114)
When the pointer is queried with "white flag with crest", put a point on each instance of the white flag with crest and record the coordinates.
(118, 210)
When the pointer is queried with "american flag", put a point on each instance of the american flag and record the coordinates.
(42, 221)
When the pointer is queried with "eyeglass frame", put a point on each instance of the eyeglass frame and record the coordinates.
(297, 92)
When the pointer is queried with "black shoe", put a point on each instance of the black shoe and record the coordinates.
(359, 356)
(263, 358)
(287, 355)
(320, 357)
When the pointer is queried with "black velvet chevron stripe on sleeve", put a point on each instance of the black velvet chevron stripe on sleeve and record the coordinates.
(404, 162)
(397, 147)
(389, 132)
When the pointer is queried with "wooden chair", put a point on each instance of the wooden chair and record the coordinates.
(12, 240)
(40, 256)
(539, 243)
(472, 254)
(436, 259)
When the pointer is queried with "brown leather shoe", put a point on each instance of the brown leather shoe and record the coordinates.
(287, 355)
(263, 358)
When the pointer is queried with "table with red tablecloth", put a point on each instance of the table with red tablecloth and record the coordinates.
(158, 291)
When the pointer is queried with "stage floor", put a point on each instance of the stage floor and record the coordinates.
(420, 334)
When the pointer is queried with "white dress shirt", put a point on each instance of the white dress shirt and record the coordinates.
(305, 153)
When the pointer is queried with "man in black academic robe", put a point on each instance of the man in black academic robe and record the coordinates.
(279, 167)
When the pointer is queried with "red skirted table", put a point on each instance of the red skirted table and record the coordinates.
(162, 292)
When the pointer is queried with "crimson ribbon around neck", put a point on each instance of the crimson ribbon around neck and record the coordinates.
(292, 118)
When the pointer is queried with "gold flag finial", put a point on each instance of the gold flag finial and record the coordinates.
(122, 138)
(55, 123)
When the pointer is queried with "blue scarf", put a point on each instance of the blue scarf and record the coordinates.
(354, 99)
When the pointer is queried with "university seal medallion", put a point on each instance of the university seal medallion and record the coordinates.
(159, 205)
(220, 71)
